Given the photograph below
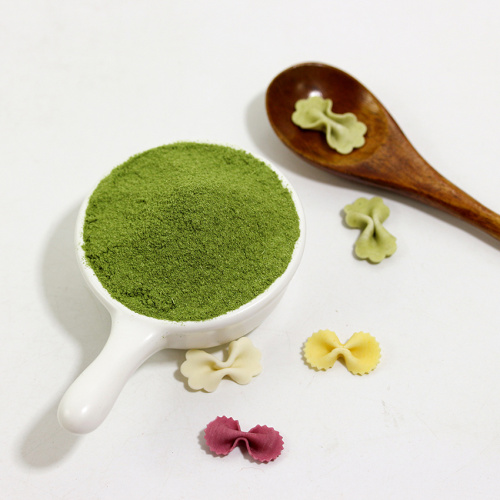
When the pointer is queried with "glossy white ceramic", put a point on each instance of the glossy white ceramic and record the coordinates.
(134, 337)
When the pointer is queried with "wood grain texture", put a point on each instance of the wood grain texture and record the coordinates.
(386, 160)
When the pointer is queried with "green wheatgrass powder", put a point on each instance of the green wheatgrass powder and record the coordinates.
(189, 231)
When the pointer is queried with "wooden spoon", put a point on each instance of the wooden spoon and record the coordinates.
(386, 160)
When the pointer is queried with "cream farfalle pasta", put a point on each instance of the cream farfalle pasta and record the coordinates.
(361, 353)
(374, 243)
(205, 371)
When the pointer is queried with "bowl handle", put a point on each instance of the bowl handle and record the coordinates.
(90, 398)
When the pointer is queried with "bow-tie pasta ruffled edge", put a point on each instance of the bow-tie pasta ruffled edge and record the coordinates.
(263, 443)
(205, 371)
(361, 353)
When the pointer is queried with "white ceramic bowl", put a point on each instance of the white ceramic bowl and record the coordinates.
(135, 337)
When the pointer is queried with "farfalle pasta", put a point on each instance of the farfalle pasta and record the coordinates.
(262, 443)
(361, 353)
(205, 371)
(343, 131)
(374, 243)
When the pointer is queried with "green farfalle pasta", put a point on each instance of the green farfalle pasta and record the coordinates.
(343, 131)
(374, 243)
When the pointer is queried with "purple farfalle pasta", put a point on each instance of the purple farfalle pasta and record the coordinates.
(263, 443)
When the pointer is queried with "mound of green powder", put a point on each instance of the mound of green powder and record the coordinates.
(189, 231)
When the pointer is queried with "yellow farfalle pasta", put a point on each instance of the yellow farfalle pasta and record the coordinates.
(205, 371)
(361, 353)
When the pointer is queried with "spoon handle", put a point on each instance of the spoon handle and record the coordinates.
(453, 200)
(425, 184)
(90, 398)
(398, 166)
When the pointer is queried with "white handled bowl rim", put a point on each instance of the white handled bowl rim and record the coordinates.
(241, 314)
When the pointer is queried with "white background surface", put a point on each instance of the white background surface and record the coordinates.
(86, 84)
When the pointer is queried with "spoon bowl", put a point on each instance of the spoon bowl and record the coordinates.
(135, 337)
(387, 159)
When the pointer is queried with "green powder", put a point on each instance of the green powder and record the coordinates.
(189, 231)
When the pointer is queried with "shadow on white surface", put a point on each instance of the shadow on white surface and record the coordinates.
(204, 446)
(87, 324)
(71, 303)
(47, 443)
